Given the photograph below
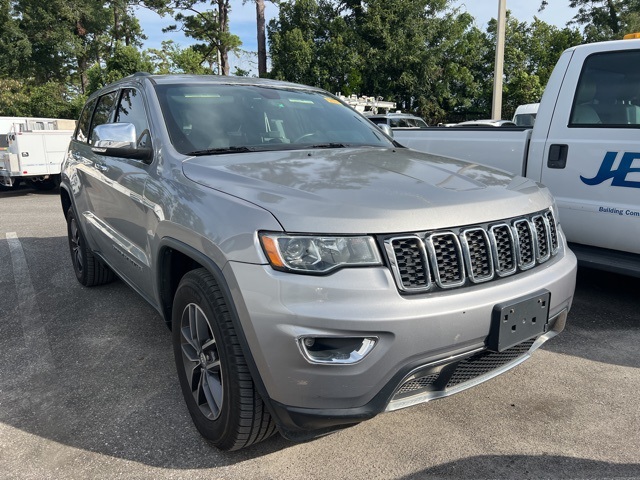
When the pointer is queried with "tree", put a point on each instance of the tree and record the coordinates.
(605, 19)
(211, 27)
(15, 47)
(125, 60)
(531, 52)
(173, 59)
(261, 39)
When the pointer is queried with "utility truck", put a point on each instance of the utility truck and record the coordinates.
(33, 150)
(584, 146)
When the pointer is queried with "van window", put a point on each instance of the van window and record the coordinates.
(608, 93)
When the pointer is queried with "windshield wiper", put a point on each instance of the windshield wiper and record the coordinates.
(218, 151)
(327, 145)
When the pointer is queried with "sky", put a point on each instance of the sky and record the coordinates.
(243, 22)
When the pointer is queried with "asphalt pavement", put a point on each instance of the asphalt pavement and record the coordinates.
(88, 389)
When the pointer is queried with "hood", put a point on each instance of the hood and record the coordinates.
(368, 190)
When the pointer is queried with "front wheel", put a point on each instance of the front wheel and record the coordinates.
(214, 377)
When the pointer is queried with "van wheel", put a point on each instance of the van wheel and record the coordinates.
(214, 377)
(89, 270)
(43, 185)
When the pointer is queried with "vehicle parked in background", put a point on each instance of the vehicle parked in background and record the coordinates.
(35, 150)
(486, 123)
(313, 272)
(584, 145)
(398, 120)
(525, 115)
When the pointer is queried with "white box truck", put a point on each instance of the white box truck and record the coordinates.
(35, 148)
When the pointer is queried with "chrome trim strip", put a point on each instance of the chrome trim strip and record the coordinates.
(356, 356)
(121, 245)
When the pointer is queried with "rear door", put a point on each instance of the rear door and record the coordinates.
(591, 159)
(119, 211)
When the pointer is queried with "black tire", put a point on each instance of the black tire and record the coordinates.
(44, 185)
(214, 377)
(89, 270)
(16, 184)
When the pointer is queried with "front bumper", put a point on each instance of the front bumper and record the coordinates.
(416, 336)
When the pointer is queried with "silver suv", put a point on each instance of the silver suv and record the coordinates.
(314, 273)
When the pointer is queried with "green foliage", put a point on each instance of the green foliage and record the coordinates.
(48, 100)
(425, 55)
(125, 60)
(14, 99)
(172, 59)
(209, 27)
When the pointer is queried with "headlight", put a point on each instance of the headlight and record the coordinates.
(318, 254)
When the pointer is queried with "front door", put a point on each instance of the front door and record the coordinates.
(592, 154)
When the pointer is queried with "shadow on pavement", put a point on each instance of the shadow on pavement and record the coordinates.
(526, 467)
(604, 303)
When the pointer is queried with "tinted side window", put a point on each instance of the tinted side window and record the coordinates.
(82, 132)
(131, 110)
(608, 93)
(104, 110)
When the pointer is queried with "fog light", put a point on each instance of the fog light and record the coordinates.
(336, 350)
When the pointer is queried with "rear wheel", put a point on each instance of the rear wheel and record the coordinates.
(47, 184)
(214, 377)
(16, 184)
(89, 270)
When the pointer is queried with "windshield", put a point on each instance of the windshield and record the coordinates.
(213, 118)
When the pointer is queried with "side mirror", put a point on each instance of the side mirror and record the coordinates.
(119, 140)
(386, 129)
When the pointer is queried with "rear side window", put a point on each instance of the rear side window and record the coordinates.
(82, 132)
(104, 110)
(608, 93)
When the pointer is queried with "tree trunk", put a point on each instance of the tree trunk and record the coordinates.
(262, 40)
(223, 22)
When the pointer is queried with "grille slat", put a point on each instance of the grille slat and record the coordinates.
(452, 258)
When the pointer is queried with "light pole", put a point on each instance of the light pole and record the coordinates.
(496, 107)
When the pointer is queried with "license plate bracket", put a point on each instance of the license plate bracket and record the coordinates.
(518, 320)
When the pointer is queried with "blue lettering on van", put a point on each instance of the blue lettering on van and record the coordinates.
(618, 175)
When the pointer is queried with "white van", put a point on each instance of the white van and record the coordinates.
(525, 115)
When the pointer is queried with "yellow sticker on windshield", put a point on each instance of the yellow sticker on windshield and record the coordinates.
(332, 100)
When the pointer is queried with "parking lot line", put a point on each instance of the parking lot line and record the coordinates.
(35, 336)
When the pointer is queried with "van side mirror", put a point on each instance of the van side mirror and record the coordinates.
(119, 140)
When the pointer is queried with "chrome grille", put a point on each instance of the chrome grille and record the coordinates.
(504, 249)
(553, 232)
(454, 257)
(542, 235)
(446, 255)
(478, 254)
(410, 262)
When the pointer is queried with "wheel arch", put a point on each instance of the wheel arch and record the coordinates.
(65, 200)
(175, 259)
